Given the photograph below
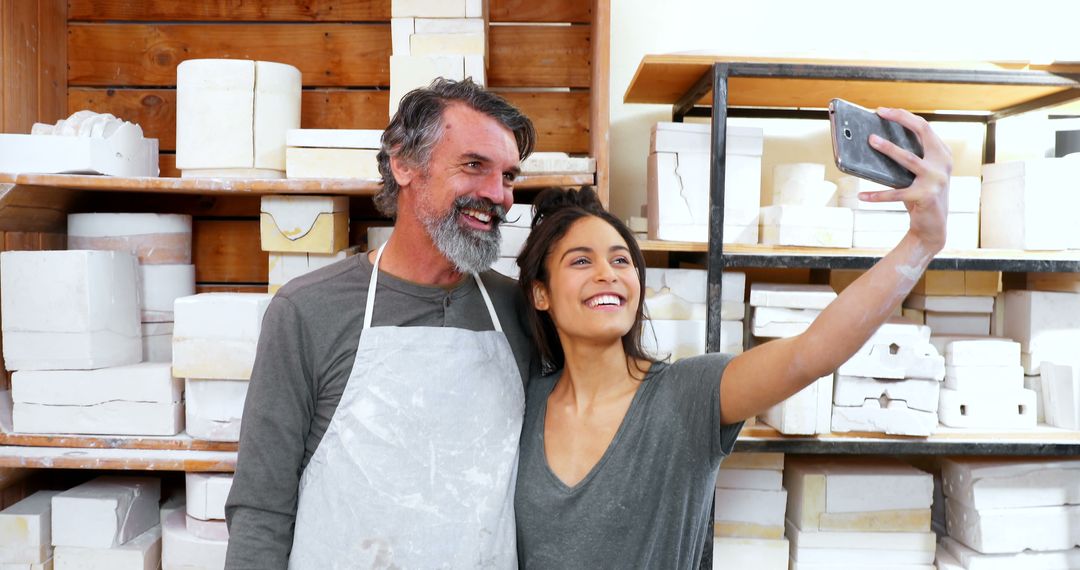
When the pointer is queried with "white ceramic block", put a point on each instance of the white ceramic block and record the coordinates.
(331, 163)
(958, 323)
(206, 494)
(467, 25)
(894, 361)
(215, 334)
(112, 147)
(1061, 385)
(507, 266)
(476, 69)
(978, 351)
(964, 194)
(105, 512)
(140, 553)
(987, 409)
(513, 240)
(408, 72)
(899, 331)
(750, 513)
(1022, 205)
(208, 530)
(69, 309)
(895, 418)
(311, 224)
(791, 296)
(802, 184)
(806, 412)
(996, 379)
(139, 399)
(951, 303)
(758, 479)
(769, 322)
(754, 460)
(917, 394)
(156, 239)
(334, 138)
(731, 553)
(286, 266)
(215, 408)
(1011, 483)
(473, 43)
(26, 530)
(849, 187)
(805, 226)
(160, 287)
(680, 137)
(277, 110)
(1045, 323)
(857, 494)
(880, 221)
(952, 555)
(873, 541)
(962, 231)
(183, 550)
(157, 342)
(557, 163)
(401, 31)
(683, 338)
(882, 565)
(428, 8)
(994, 531)
(474, 8)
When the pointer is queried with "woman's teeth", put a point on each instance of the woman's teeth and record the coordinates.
(603, 300)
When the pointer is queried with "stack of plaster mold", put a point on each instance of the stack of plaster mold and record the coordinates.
(984, 384)
(162, 245)
(514, 232)
(435, 38)
(858, 514)
(1045, 323)
(678, 183)
(675, 304)
(72, 336)
(952, 314)
(194, 533)
(892, 384)
(1059, 393)
(749, 512)
(214, 351)
(232, 116)
(1011, 513)
(783, 311)
(881, 225)
(302, 234)
(1030, 204)
(26, 532)
(84, 143)
(332, 153)
(803, 211)
(109, 522)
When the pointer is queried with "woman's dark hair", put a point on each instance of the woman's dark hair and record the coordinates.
(554, 211)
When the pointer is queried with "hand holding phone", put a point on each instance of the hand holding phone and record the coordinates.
(852, 126)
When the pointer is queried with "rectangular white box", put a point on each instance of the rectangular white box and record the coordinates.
(334, 138)
(680, 339)
(757, 479)
(1001, 410)
(958, 323)
(952, 555)
(331, 163)
(125, 153)
(978, 351)
(997, 379)
(1011, 483)
(215, 335)
(471, 43)
(769, 322)
(69, 309)
(140, 553)
(993, 531)
(791, 295)
(105, 512)
(951, 303)
(215, 408)
(750, 513)
(731, 553)
(1046, 324)
(1061, 384)
(804, 226)
(1022, 204)
(428, 8)
(26, 530)
(311, 224)
(806, 412)
(206, 494)
(157, 342)
(873, 541)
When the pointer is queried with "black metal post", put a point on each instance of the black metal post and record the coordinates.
(717, 176)
(990, 142)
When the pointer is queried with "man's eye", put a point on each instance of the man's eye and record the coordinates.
(509, 176)
(474, 164)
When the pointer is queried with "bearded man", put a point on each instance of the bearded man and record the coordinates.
(382, 430)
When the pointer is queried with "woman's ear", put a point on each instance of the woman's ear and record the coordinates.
(540, 297)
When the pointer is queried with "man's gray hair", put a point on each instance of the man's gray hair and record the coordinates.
(417, 126)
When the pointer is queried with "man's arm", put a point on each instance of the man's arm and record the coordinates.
(261, 509)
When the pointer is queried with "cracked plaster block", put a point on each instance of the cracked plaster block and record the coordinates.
(105, 512)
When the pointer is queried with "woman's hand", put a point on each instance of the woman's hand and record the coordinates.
(927, 199)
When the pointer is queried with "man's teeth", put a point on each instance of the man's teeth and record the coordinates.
(603, 300)
(482, 216)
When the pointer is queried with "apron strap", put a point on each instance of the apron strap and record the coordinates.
(369, 307)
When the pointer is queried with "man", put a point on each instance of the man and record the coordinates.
(397, 447)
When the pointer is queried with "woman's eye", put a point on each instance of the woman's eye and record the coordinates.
(621, 261)
(580, 261)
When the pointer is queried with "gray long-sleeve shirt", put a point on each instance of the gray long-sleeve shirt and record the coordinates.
(305, 355)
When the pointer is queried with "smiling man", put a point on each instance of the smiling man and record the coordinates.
(382, 421)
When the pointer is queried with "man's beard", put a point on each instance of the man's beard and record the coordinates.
(471, 251)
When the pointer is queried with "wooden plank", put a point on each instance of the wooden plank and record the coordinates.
(561, 119)
(231, 10)
(193, 205)
(118, 459)
(52, 60)
(155, 109)
(228, 251)
(22, 241)
(52, 241)
(167, 166)
(147, 54)
(18, 70)
(206, 288)
(574, 11)
(539, 56)
(599, 106)
(28, 208)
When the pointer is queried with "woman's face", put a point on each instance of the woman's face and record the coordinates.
(593, 287)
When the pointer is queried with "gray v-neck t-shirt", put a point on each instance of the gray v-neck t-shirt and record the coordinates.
(646, 503)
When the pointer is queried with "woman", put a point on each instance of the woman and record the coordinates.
(619, 452)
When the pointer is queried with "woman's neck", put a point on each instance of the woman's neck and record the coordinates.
(593, 373)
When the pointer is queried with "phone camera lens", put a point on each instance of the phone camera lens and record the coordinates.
(847, 134)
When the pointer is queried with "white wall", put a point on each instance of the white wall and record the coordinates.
(994, 30)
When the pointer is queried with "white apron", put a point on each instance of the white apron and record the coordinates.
(417, 466)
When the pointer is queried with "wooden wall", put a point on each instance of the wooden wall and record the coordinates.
(122, 58)
(32, 61)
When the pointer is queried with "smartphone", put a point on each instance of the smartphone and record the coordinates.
(852, 126)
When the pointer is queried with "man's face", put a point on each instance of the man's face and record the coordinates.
(466, 188)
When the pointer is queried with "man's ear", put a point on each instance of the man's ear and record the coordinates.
(540, 297)
(404, 172)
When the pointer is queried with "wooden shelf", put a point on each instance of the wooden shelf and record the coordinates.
(807, 83)
(240, 186)
(122, 459)
(1042, 440)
